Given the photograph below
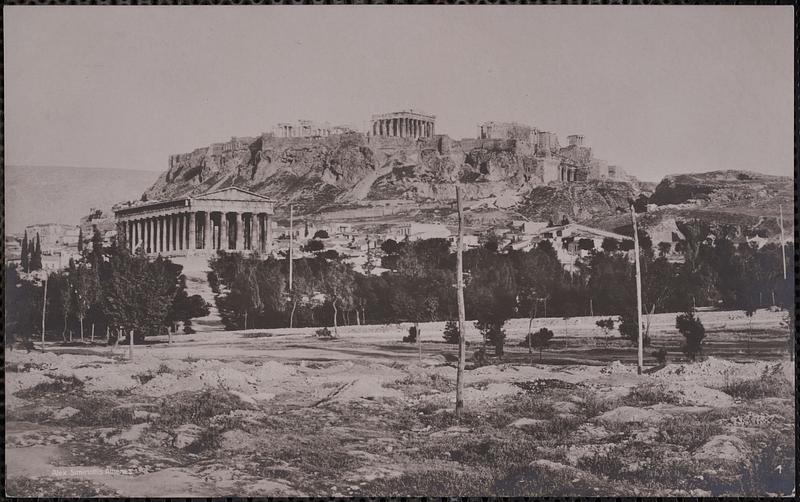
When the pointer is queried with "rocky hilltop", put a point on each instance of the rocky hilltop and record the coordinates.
(355, 170)
(356, 176)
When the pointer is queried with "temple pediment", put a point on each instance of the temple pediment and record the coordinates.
(232, 193)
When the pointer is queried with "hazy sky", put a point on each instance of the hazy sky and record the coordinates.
(656, 90)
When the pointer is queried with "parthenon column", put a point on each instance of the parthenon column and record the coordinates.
(158, 234)
(181, 231)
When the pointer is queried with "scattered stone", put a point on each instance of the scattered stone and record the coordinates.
(630, 414)
(723, 448)
(528, 422)
(67, 412)
(564, 407)
(131, 435)
(186, 435)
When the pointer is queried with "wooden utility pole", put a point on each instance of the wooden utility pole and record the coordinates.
(130, 344)
(291, 243)
(638, 289)
(461, 314)
(44, 308)
(783, 243)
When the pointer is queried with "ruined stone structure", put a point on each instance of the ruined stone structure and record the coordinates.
(227, 219)
(404, 124)
(309, 129)
(506, 130)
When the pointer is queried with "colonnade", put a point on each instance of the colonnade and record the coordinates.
(197, 232)
(403, 127)
(567, 173)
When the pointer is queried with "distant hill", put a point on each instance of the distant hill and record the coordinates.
(66, 194)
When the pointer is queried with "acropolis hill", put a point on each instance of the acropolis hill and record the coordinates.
(404, 168)
(402, 159)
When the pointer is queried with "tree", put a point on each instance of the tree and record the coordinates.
(606, 325)
(693, 331)
(540, 340)
(25, 257)
(451, 333)
(610, 245)
(97, 246)
(36, 256)
(320, 234)
(139, 293)
(314, 246)
(390, 246)
(80, 240)
(585, 244)
(338, 285)
(85, 290)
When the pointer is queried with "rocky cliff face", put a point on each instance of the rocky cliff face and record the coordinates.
(350, 169)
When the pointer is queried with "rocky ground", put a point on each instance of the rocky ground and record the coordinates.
(277, 413)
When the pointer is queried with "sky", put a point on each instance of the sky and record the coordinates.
(656, 90)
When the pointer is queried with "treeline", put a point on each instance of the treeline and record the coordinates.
(420, 286)
(107, 292)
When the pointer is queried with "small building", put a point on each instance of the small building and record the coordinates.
(419, 231)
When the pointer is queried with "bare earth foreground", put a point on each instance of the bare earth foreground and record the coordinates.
(282, 412)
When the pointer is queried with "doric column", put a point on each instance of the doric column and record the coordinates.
(206, 234)
(157, 234)
(181, 232)
(223, 231)
(168, 233)
(150, 235)
(192, 231)
(239, 229)
(268, 230)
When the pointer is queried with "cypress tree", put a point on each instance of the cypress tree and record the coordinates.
(36, 256)
(80, 240)
(25, 259)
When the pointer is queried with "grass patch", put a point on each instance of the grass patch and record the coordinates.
(647, 394)
(769, 384)
(100, 411)
(427, 382)
(441, 483)
(197, 407)
(59, 385)
(54, 487)
(689, 431)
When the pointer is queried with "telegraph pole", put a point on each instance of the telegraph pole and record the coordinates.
(44, 308)
(461, 314)
(291, 242)
(638, 288)
(783, 243)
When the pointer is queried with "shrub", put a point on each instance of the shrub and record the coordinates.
(606, 325)
(661, 356)
(451, 333)
(494, 333)
(480, 358)
(540, 340)
(323, 332)
(693, 331)
(412, 335)
(321, 234)
(627, 329)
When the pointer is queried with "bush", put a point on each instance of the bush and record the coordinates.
(540, 340)
(321, 234)
(693, 331)
(606, 325)
(451, 333)
(323, 332)
(627, 329)
(494, 333)
(412, 335)
(480, 358)
(661, 356)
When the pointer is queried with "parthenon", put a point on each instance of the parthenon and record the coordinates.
(226, 219)
(403, 124)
